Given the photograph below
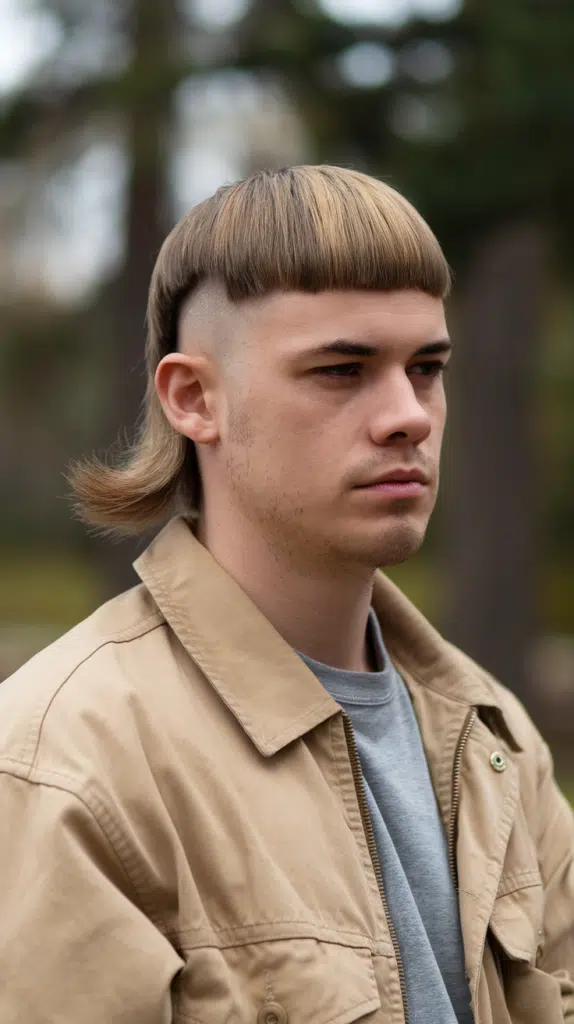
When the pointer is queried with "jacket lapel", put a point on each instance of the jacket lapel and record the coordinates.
(487, 812)
(445, 685)
(265, 684)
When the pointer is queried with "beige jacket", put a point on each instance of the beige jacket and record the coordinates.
(184, 835)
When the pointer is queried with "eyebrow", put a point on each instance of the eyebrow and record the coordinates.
(345, 347)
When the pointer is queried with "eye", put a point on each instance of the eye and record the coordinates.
(429, 369)
(340, 371)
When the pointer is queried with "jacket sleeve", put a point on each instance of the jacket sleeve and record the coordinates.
(555, 842)
(74, 945)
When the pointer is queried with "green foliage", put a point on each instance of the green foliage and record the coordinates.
(513, 88)
(50, 587)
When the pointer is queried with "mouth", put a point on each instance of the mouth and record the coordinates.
(399, 483)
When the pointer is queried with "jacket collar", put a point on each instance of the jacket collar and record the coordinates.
(265, 684)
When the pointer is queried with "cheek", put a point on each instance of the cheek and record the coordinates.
(262, 439)
(289, 421)
(285, 436)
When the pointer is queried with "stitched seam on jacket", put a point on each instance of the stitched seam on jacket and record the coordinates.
(403, 663)
(471, 895)
(109, 828)
(235, 706)
(360, 1007)
(332, 936)
(483, 919)
(516, 882)
(353, 820)
(37, 722)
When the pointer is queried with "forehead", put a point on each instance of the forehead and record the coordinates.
(294, 321)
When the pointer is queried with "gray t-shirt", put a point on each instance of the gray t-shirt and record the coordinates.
(410, 838)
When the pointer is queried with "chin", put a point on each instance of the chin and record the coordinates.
(397, 543)
(398, 551)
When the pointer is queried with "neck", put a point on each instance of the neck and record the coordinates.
(320, 611)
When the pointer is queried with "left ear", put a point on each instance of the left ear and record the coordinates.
(186, 388)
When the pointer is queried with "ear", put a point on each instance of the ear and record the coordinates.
(186, 388)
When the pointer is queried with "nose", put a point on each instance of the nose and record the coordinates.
(399, 415)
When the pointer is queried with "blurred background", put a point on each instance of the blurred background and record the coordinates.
(117, 115)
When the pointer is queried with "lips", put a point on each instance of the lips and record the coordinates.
(398, 476)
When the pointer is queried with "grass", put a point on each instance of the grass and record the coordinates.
(47, 588)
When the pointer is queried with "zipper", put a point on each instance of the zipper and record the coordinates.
(462, 741)
(370, 837)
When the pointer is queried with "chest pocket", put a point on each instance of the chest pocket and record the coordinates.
(285, 981)
(518, 915)
(517, 918)
(530, 994)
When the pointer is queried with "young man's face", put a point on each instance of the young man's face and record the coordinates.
(305, 432)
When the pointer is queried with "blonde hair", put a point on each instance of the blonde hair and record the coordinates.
(307, 228)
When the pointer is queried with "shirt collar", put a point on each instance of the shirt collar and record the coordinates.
(266, 685)
(274, 696)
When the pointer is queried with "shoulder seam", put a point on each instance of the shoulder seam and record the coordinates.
(104, 820)
(31, 743)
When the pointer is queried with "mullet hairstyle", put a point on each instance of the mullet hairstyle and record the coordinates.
(306, 228)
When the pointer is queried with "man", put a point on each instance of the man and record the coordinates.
(259, 787)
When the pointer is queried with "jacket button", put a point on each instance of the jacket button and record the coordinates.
(498, 761)
(272, 1013)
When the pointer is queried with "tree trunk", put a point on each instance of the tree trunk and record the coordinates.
(148, 119)
(490, 490)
